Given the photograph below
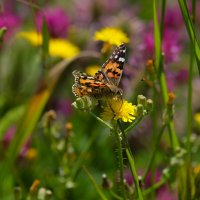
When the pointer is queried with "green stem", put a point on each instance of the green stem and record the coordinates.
(154, 152)
(155, 186)
(162, 18)
(164, 91)
(98, 189)
(137, 121)
(115, 195)
(189, 103)
(120, 161)
(131, 162)
(100, 120)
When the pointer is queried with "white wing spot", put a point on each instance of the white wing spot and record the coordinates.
(121, 59)
(116, 56)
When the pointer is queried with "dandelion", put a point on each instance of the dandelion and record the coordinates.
(119, 109)
(92, 69)
(57, 47)
(112, 36)
(62, 48)
(32, 36)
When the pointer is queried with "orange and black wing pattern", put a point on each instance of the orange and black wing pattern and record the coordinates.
(112, 69)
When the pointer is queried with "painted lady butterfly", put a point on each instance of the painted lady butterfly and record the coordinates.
(105, 82)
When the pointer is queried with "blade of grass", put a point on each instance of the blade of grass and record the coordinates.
(10, 118)
(191, 31)
(157, 39)
(98, 189)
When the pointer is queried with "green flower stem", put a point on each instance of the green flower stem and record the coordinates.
(120, 160)
(98, 189)
(162, 18)
(131, 162)
(137, 121)
(101, 120)
(155, 186)
(154, 152)
(164, 91)
(115, 195)
(189, 103)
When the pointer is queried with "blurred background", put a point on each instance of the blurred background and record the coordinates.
(44, 141)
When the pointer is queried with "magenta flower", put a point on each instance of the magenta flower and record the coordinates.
(163, 193)
(173, 37)
(8, 136)
(173, 18)
(10, 21)
(171, 46)
(56, 19)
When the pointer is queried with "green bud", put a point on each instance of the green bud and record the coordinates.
(166, 173)
(140, 109)
(149, 106)
(84, 103)
(2, 32)
(141, 100)
(41, 194)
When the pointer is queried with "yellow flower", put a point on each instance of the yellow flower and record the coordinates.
(33, 37)
(197, 118)
(62, 48)
(112, 36)
(92, 69)
(57, 47)
(119, 109)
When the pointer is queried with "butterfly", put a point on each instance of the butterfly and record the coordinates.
(104, 83)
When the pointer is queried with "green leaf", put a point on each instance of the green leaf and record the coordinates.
(10, 118)
(134, 173)
(45, 37)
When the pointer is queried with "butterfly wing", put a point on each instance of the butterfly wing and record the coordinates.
(88, 86)
(112, 69)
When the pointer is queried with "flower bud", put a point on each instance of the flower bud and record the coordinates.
(84, 103)
(141, 100)
(140, 109)
(106, 183)
(149, 106)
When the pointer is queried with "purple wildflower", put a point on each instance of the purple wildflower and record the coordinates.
(62, 106)
(56, 19)
(173, 37)
(8, 136)
(163, 193)
(182, 76)
(10, 21)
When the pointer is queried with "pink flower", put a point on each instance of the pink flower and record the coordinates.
(10, 21)
(56, 19)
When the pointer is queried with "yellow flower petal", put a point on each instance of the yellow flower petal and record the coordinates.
(62, 48)
(119, 109)
(113, 36)
(57, 47)
(92, 69)
(33, 37)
